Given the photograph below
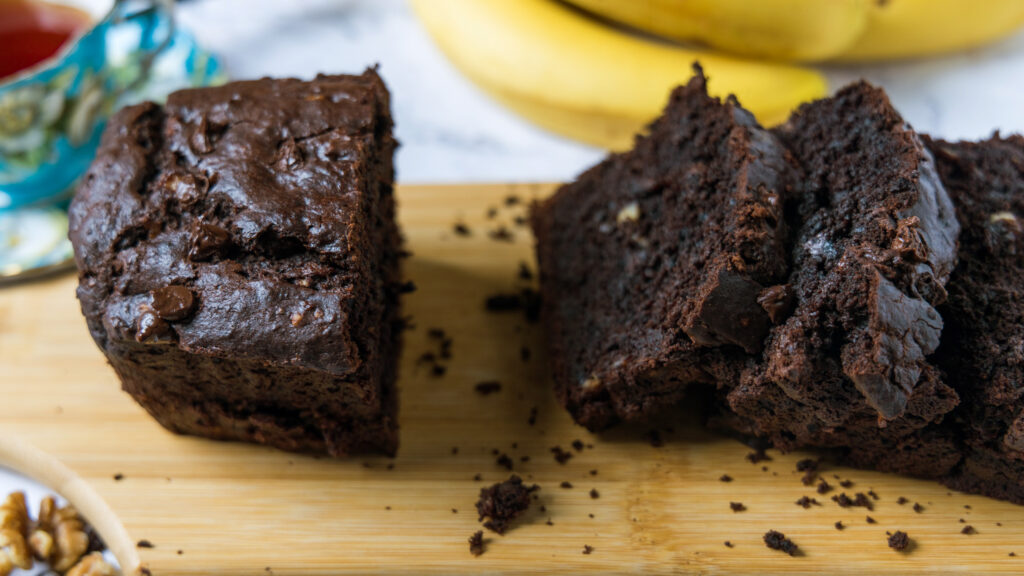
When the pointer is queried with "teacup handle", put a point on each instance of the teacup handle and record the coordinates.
(155, 19)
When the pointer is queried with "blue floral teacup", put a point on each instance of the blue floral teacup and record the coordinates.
(52, 114)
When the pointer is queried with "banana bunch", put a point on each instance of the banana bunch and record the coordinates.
(913, 28)
(573, 74)
(579, 78)
(819, 30)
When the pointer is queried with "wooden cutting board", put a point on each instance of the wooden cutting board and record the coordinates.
(235, 509)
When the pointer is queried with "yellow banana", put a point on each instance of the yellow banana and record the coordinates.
(775, 29)
(911, 28)
(581, 79)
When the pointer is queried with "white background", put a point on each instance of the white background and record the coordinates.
(451, 132)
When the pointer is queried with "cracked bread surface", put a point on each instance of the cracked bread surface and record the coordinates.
(239, 261)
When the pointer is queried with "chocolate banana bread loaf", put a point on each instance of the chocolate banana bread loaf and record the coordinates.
(982, 348)
(874, 246)
(662, 261)
(239, 261)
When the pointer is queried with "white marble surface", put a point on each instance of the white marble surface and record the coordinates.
(452, 132)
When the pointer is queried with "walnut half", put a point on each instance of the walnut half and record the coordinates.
(13, 528)
(67, 540)
(92, 565)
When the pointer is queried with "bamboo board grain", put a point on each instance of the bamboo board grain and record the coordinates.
(236, 509)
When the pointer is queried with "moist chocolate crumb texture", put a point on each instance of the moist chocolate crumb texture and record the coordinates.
(874, 245)
(828, 334)
(982, 348)
(659, 261)
(239, 261)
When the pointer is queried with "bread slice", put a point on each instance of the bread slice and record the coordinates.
(655, 264)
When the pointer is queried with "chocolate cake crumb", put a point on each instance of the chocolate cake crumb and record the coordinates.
(455, 450)
(594, 494)
(503, 502)
(533, 416)
(846, 483)
(839, 525)
(899, 541)
(593, 472)
(859, 499)
(725, 478)
(967, 506)
(524, 272)
(520, 220)
(587, 549)
(527, 300)
(144, 544)
(501, 234)
(438, 370)
(503, 303)
(476, 543)
(487, 388)
(118, 477)
(524, 458)
(809, 477)
(777, 541)
(478, 477)
(969, 530)
(807, 502)
(511, 200)
(577, 445)
(999, 523)
(461, 229)
(737, 506)
(824, 487)
(962, 521)
(505, 461)
(870, 520)
(901, 500)
(843, 500)
(561, 456)
(807, 464)
(918, 508)
(758, 455)
(873, 495)
(565, 484)
(491, 213)
(728, 544)
(549, 522)
(654, 438)
(1012, 554)
(590, 515)
(455, 510)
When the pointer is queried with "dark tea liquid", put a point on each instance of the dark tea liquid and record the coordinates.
(32, 31)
